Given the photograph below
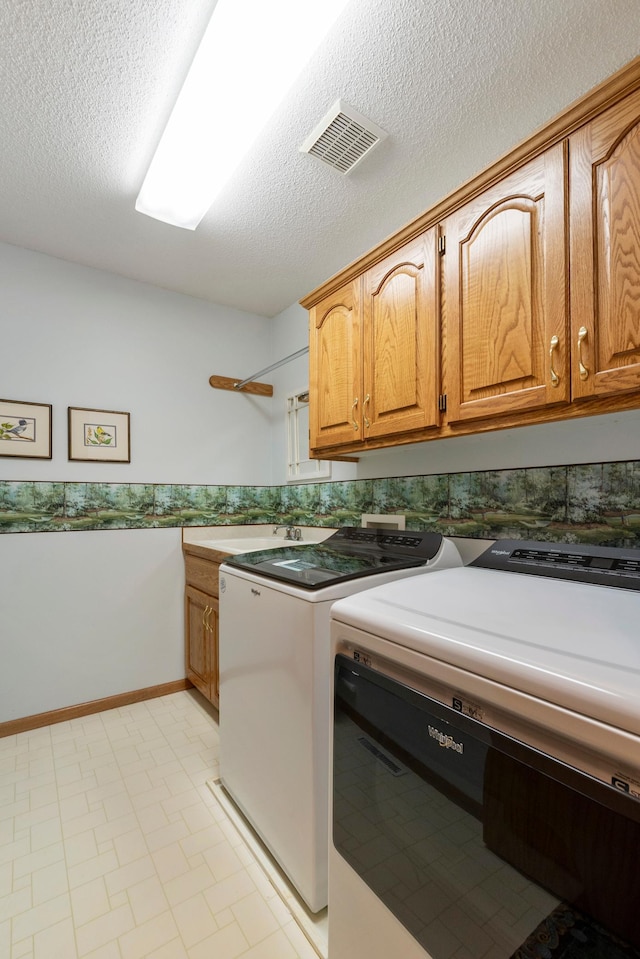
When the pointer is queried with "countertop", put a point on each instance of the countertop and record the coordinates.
(226, 540)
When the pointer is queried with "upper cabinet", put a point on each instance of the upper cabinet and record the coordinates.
(505, 295)
(335, 369)
(373, 352)
(605, 252)
(400, 341)
(515, 300)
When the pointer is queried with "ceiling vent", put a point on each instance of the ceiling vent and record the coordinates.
(343, 138)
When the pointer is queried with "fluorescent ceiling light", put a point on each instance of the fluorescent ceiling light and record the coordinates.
(249, 57)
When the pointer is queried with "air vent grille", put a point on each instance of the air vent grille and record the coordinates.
(343, 143)
(343, 138)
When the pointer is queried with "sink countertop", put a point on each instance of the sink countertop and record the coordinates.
(247, 539)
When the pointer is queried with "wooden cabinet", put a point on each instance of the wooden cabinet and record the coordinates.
(200, 650)
(400, 341)
(513, 301)
(335, 370)
(201, 618)
(373, 352)
(605, 252)
(506, 293)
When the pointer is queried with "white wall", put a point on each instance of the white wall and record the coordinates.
(592, 439)
(74, 336)
(89, 614)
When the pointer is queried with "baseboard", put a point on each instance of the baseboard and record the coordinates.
(14, 726)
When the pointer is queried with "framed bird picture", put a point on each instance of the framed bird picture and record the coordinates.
(25, 429)
(99, 436)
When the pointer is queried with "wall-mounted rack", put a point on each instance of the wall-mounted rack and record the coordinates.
(230, 383)
(250, 385)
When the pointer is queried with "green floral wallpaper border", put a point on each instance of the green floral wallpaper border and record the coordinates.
(592, 503)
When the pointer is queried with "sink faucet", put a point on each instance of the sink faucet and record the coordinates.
(291, 532)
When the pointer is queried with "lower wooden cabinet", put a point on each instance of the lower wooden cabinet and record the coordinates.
(201, 642)
(201, 620)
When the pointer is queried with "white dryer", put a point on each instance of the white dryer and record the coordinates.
(486, 757)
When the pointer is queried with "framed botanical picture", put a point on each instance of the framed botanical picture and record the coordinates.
(25, 429)
(99, 436)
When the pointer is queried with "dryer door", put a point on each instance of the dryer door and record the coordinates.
(470, 838)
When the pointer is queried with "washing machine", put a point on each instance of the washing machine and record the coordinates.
(275, 680)
(485, 759)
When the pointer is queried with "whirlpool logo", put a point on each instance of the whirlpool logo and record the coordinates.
(447, 742)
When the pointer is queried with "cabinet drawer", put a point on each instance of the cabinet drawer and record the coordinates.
(202, 573)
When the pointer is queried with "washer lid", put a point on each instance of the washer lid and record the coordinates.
(350, 553)
(569, 643)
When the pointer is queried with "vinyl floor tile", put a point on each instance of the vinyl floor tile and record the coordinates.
(113, 847)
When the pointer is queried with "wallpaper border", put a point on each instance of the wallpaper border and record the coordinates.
(595, 503)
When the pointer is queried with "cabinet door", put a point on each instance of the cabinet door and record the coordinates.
(401, 341)
(335, 375)
(605, 252)
(505, 295)
(196, 607)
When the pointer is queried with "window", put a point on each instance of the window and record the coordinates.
(300, 466)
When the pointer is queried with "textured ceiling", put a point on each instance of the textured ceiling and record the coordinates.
(86, 86)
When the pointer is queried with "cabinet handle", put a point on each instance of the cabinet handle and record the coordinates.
(205, 618)
(355, 403)
(366, 421)
(582, 335)
(555, 379)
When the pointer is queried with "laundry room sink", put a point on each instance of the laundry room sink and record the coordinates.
(250, 544)
(241, 540)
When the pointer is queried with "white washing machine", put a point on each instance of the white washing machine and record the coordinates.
(275, 681)
(486, 758)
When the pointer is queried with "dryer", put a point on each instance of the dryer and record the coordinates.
(486, 756)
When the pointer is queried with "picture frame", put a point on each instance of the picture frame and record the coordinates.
(25, 429)
(99, 436)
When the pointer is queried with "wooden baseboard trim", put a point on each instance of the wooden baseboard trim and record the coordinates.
(14, 726)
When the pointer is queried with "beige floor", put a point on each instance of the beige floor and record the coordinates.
(113, 847)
